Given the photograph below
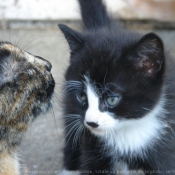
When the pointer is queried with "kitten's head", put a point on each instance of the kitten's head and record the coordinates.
(26, 86)
(113, 77)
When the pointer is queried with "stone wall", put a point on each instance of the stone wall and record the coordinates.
(162, 10)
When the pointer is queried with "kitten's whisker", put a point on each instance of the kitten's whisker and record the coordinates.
(107, 89)
(113, 84)
(73, 86)
(105, 77)
(80, 134)
(146, 109)
(171, 121)
(95, 83)
(73, 89)
(67, 126)
(68, 119)
(83, 133)
(77, 135)
(73, 115)
(72, 131)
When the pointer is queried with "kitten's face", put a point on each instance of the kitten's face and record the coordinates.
(110, 82)
(26, 86)
(105, 102)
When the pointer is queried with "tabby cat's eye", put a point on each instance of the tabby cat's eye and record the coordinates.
(112, 101)
(81, 97)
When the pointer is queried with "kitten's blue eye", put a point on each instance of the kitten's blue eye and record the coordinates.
(112, 101)
(81, 97)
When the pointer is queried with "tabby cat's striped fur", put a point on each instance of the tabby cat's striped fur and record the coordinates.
(26, 88)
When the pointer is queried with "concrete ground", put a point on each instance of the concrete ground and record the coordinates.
(41, 149)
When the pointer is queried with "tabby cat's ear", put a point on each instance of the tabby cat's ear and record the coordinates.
(149, 54)
(73, 38)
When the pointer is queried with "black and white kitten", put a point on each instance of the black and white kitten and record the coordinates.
(119, 102)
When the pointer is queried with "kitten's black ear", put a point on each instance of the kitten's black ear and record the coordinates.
(73, 38)
(149, 54)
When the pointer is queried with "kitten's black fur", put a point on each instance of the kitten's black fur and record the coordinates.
(135, 66)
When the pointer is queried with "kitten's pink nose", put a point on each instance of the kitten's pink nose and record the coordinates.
(92, 124)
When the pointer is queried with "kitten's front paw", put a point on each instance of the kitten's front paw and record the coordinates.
(66, 172)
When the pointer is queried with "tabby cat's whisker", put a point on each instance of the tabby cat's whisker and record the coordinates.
(35, 40)
(34, 45)
(15, 42)
(55, 121)
(19, 42)
(57, 97)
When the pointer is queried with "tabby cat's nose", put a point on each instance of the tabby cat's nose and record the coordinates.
(48, 64)
(92, 124)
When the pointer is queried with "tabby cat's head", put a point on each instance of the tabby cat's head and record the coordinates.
(26, 86)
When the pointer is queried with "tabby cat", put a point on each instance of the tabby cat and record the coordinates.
(26, 89)
(119, 100)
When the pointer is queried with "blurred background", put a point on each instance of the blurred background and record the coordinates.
(32, 25)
